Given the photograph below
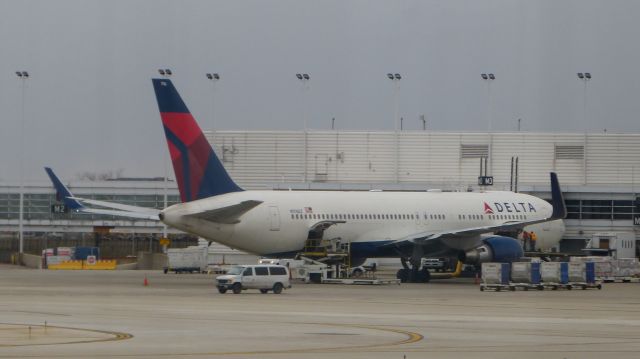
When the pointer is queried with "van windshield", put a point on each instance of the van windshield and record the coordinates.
(235, 270)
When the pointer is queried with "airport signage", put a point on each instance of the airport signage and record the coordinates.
(59, 208)
(485, 181)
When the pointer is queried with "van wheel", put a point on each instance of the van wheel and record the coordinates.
(237, 288)
(277, 288)
(222, 290)
(264, 291)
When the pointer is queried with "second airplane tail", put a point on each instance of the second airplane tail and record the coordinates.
(198, 170)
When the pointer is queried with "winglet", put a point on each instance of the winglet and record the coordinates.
(62, 192)
(557, 199)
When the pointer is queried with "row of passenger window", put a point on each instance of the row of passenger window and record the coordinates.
(265, 271)
(477, 217)
(366, 216)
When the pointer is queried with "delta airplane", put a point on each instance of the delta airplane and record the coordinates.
(409, 225)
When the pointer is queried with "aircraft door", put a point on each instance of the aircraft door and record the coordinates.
(274, 217)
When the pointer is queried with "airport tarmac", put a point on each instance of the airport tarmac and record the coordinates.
(111, 314)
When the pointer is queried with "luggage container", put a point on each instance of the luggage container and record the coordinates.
(190, 259)
(554, 274)
(525, 275)
(495, 276)
(582, 275)
(624, 269)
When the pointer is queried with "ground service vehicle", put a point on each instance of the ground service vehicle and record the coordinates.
(264, 277)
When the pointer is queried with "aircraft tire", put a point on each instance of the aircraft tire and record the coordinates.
(425, 275)
(403, 275)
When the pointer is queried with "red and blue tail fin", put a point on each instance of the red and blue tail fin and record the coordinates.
(198, 170)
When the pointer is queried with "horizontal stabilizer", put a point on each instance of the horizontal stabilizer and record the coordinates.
(228, 214)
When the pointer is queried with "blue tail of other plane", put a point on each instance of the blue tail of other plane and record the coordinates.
(62, 192)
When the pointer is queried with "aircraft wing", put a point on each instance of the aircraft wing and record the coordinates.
(425, 237)
(115, 209)
(559, 212)
(229, 214)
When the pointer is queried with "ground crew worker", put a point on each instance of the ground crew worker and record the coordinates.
(532, 239)
(525, 239)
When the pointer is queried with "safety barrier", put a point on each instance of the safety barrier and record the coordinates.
(79, 265)
(99, 265)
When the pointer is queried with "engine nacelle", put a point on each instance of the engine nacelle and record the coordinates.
(495, 249)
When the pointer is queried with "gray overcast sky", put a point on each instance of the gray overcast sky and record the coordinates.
(90, 104)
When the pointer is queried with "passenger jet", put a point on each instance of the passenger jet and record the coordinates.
(409, 225)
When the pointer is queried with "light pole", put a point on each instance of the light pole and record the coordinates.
(489, 78)
(213, 78)
(166, 73)
(395, 79)
(304, 79)
(23, 76)
(585, 77)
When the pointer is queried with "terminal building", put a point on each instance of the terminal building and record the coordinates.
(599, 174)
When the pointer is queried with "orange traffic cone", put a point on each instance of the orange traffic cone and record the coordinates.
(146, 281)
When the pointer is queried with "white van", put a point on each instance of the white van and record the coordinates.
(265, 277)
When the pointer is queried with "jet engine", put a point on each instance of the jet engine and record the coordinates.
(493, 249)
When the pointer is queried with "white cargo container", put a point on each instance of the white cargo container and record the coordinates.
(495, 273)
(625, 267)
(577, 272)
(190, 259)
(525, 272)
(554, 272)
(603, 266)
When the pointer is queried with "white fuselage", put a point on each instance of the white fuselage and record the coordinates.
(280, 224)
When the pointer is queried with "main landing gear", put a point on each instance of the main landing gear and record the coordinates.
(413, 274)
